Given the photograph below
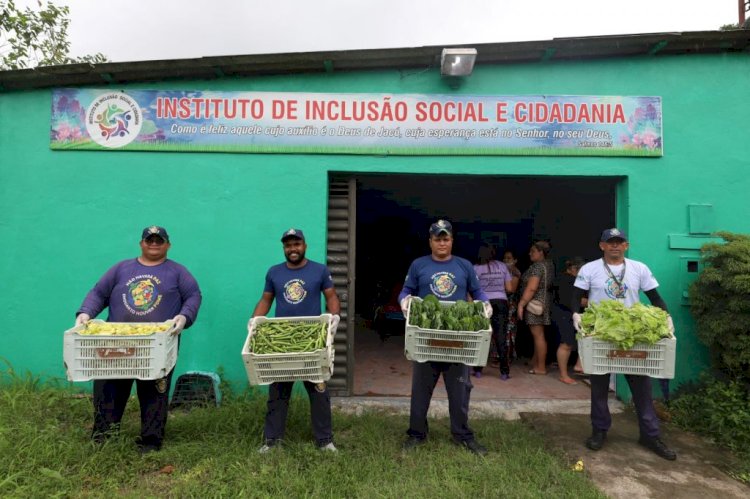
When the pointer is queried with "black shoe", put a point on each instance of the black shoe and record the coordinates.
(655, 445)
(473, 446)
(146, 447)
(412, 442)
(596, 440)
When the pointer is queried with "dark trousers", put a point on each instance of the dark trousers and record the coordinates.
(278, 407)
(499, 324)
(640, 386)
(424, 378)
(111, 397)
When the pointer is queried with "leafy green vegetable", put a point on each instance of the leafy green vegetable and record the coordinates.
(429, 313)
(612, 321)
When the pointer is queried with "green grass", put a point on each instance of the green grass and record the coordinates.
(45, 451)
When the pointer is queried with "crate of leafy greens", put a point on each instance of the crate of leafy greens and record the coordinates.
(117, 350)
(289, 349)
(626, 340)
(446, 331)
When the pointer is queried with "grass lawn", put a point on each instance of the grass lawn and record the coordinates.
(45, 451)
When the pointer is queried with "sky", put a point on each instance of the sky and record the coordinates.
(134, 30)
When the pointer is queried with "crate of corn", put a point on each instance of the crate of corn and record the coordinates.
(289, 349)
(119, 350)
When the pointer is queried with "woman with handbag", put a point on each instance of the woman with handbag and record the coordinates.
(535, 302)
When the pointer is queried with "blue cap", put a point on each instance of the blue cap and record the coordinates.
(613, 233)
(155, 230)
(441, 227)
(292, 233)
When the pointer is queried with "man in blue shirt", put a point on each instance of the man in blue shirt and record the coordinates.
(296, 284)
(149, 288)
(449, 278)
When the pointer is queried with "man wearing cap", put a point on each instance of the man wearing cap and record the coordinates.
(614, 277)
(449, 278)
(296, 284)
(149, 288)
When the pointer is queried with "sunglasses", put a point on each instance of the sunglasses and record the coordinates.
(154, 241)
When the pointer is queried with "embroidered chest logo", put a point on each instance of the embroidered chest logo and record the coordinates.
(142, 295)
(443, 284)
(294, 291)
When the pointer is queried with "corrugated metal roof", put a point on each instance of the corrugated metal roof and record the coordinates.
(557, 49)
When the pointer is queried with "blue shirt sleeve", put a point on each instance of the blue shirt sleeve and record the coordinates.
(191, 296)
(474, 287)
(410, 283)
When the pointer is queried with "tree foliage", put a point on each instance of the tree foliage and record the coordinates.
(720, 302)
(30, 38)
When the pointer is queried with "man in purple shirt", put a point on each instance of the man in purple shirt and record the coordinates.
(449, 278)
(296, 285)
(149, 288)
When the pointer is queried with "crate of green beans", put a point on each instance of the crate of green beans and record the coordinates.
(289, 349)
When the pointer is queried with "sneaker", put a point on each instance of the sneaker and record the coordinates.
(596, 440)
(655, 445)
(412, 442)
(329, 447)
(473, 446)
(269, 446)
(505, 377)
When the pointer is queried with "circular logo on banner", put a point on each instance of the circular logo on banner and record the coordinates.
(114, 120)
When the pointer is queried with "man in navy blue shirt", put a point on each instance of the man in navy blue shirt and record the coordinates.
(296, 285)
(150, 288)
(449, 278)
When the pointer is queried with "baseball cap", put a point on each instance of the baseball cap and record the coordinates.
(292, 233)
(441, 226)
(612, 234)
(155, 230)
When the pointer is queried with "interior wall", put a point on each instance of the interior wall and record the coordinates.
(394, 213)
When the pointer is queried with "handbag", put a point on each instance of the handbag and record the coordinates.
(535, 306)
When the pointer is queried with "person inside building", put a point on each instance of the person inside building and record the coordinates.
(497, 282)
(614, 277)
(562, 316)
(149, 288)
(510, 261)
(536, 285)
(449, 278)
(297, 284)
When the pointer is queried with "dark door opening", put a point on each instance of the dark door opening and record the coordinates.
(393, 215)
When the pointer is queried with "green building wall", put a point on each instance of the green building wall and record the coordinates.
(67, 216)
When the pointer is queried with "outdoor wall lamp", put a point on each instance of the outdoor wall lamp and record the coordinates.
(457, 62)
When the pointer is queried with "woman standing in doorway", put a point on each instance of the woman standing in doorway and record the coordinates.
(537, 282)
(497, 282)
(510, 261)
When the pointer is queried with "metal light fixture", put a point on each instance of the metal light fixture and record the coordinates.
(457, 62)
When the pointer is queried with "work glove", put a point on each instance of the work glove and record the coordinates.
(82, 319)
(487, 309)
(179, 324)
(577, 321)
(670, 325)
(405, 304)
(335, 322)
(253, 322)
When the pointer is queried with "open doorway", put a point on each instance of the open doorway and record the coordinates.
(392, 217)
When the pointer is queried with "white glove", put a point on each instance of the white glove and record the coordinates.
(577, 321)
(253, 321)
(670, 325)
(82, 319)
(405, 304)
(487, 309)
(335, 322)
(179, 324)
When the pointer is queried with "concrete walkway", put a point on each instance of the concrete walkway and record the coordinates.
(622, 469)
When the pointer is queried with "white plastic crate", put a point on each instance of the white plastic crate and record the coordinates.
(90, 357)
(603, 357)
(316, 366)
(435, 345)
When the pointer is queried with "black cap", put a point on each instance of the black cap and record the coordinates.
(441, 227)
(290, 233)
(155, 230)
(613, 233)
